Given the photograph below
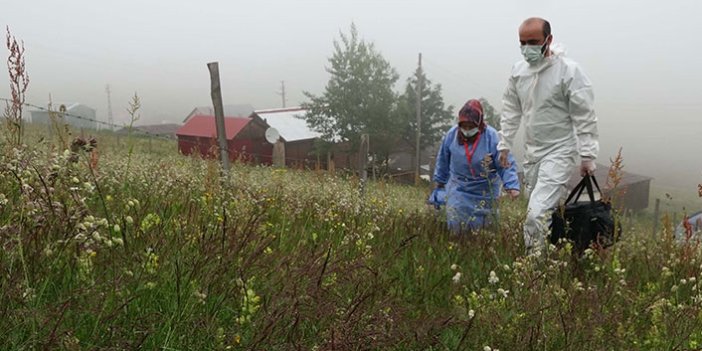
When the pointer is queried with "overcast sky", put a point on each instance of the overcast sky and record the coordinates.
(642, 56)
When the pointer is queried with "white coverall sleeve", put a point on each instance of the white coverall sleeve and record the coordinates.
(511, 116)
(582, 112)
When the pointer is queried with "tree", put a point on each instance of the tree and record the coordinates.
(436, 118)
(358, 97)
(491, 117)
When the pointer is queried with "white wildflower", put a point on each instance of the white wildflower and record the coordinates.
(29, 294)
(200, 296)
(456, 278)
(454, 267)
(493, 279)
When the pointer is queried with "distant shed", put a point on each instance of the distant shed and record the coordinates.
(245, 138)
(298, 137)
(76, 115)
(243, 110)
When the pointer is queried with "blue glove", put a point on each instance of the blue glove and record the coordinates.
(437, 198)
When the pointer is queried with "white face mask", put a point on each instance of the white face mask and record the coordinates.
(470, 132)
(533, 54)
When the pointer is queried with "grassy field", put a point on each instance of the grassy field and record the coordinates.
(152, 250)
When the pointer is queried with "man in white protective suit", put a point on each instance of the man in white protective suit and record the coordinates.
(554, 97)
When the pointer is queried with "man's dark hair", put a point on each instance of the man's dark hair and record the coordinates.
(546, 28)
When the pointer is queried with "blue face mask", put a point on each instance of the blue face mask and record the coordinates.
(468, 133)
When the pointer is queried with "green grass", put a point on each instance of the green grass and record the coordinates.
(156, 251)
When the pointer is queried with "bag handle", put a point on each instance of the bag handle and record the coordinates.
(585, 183)
(594, 180)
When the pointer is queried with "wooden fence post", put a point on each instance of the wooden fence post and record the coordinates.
(363, 161)
(279, 154)
(432, 164)
(216, 92)
(656, 214)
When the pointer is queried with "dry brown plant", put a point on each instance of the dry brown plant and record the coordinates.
(19, 81)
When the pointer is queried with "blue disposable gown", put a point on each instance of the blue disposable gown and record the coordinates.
(471, 189)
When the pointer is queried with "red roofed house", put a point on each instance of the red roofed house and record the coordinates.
(245, 138)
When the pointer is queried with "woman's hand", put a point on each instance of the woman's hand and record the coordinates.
(513, 193)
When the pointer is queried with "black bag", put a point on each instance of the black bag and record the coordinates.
(585, 223)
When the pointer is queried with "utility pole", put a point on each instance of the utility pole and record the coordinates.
(419, 120)
(282, 91)
(110, 120)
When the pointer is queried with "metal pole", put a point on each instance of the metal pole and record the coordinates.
(282, 91)
(110, 119)
(655, 217)
(216, 92)
(419, 121)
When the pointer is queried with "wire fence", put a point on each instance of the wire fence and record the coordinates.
(61, 114)
(208, 147)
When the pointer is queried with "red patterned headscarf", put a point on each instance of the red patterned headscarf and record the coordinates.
(472, 111)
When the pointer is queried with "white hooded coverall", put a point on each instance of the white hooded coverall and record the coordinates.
(555, 99)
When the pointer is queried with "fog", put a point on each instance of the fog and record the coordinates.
(642, 56)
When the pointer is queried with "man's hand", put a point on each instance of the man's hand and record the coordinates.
(587, 167)
(513, 193)
(504, 158)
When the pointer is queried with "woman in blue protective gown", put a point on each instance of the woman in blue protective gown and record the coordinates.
(467, 165)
